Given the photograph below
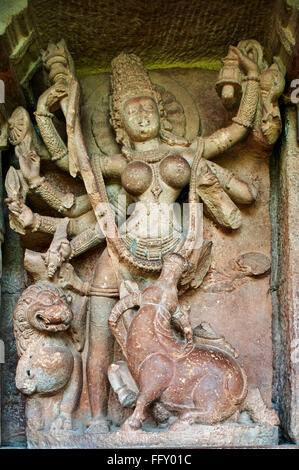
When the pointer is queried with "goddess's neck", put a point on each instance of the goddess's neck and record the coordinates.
(147, 145)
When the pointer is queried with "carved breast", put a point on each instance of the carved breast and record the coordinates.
(175, 171)
(138, 176)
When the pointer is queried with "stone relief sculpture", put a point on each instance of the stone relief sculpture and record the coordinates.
(203, 383)
(149, 259)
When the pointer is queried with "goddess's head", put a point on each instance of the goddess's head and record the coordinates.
(136, 107)
(140, 118)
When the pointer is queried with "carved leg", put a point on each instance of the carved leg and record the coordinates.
(127, 397)
(161, 368)
(190, 417)
(134, 422)
(99, 358)
(70, 397)
(259, 412)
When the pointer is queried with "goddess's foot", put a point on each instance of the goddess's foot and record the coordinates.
(98, 426)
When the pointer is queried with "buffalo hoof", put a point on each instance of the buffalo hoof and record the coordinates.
(180, 425)
(131, 425)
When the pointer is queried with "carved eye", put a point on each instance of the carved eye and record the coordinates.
(148, 107)
(28, 372)
(39, 315)
(132, 111)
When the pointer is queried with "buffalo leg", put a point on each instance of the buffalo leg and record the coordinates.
(161, 368)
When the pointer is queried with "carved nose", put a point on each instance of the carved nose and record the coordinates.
(142, 116)
(143, 120)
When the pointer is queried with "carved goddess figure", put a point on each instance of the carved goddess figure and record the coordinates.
(153, 168)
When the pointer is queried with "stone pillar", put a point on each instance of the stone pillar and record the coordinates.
(288, 277)
(1, 240)
(3, 144)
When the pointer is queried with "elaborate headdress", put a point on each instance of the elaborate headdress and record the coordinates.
(129, 79)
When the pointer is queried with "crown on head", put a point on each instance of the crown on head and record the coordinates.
(129, 78)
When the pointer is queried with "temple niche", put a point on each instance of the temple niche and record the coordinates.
(149, 200)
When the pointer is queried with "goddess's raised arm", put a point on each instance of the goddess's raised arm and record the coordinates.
(58, 61)
(44, 118)
(225, 138)
(65, 203)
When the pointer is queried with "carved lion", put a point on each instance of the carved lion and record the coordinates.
(49, 362)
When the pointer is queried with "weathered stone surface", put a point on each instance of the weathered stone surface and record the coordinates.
(287, 344)
(232, 435)
(239, 273)
(163, 33)
(13, 403)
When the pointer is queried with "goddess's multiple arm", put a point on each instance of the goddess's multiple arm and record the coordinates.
(223, 139)
(214, 182)
(82, 227)
(217, 187)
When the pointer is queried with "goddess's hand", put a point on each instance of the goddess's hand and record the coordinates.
(56, 94)
(22, 213)
(245, 63)
(29, 161)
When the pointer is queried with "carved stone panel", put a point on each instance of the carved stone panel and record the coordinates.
(144, 256)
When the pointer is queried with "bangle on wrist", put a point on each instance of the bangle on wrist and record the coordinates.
(241, 122)
(37, 223)
(43, 114)
(254, 76)
(36, 182)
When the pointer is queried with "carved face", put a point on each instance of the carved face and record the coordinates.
(141, 118)
(49, 313)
